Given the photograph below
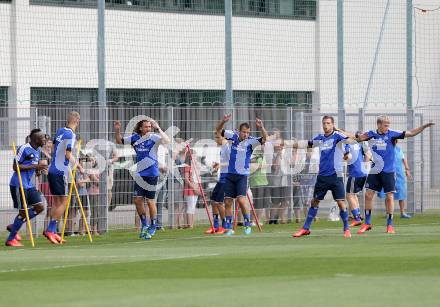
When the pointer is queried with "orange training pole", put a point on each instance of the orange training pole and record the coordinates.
(200, 186)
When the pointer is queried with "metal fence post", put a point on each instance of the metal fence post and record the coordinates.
(35, 124)
(361, 127)
(409, 53)
(340, 51)
(229, 96)
(409, 102)
(411, 162)
(301, 125)
(434, 181)
(103, 119)
(300, 134)
(361, 120)
(291, 136)
(171, 170)
(422, 167)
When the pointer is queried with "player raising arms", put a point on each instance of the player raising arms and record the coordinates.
(236, 184)
(28, 157)
(329, 176)
(382, 174)
(145, 143)
(59, 173)
(218, 194)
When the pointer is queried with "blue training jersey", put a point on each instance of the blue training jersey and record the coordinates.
(64, 141)
(241, 152)
(382, 146)
(146, 153)
(398, 161)
(330, 160)
(26, 155)
(225, 152)
(356, 168)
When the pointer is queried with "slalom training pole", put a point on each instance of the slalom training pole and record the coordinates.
(28, 221)
(254, 212)
(193, 164)
(82, 209)
(69, 196)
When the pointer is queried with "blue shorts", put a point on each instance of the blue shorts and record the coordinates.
(149, 193)
(355, 184)
(333, 183)
(401, 188)
(218, 194)
(58, 184)
(33, 197)
(385, 181)
(236, 185)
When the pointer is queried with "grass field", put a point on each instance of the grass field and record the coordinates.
(186, 268)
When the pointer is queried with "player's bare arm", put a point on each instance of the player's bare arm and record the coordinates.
(418, 130)
(260, 125)
(221, 124)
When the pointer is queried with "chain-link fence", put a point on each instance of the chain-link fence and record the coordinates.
(184, 62)
(279, 193)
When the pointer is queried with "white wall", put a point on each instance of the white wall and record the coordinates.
(427, 54)
(5, 69)
(57, 48)
(273, 54)
(362, 23)
(328, 69)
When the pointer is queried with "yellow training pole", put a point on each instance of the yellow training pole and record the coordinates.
(69, 196)
(28, 222)
(82, 211)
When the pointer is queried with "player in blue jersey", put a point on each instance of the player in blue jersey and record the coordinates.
(358, 156)
(62, 163)
(236, 184)
(218, 194)
(330, 144)
(403, 173)
(382, 174)
(145, 143)
(28, 157)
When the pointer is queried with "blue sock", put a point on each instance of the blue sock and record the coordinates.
(143, 220)
(224, 223)
(32, 213)
(390, 220)
(216, 221)
(52, 227)
(310, 216)
(247, 220)
(356, 214)
(368, 217)
(344, 217)
(18, 222)
(153, 222)
(228, 222)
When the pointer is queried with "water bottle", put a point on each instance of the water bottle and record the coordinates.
(333, 214)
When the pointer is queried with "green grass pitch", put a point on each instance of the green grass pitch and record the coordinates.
(187, 268)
